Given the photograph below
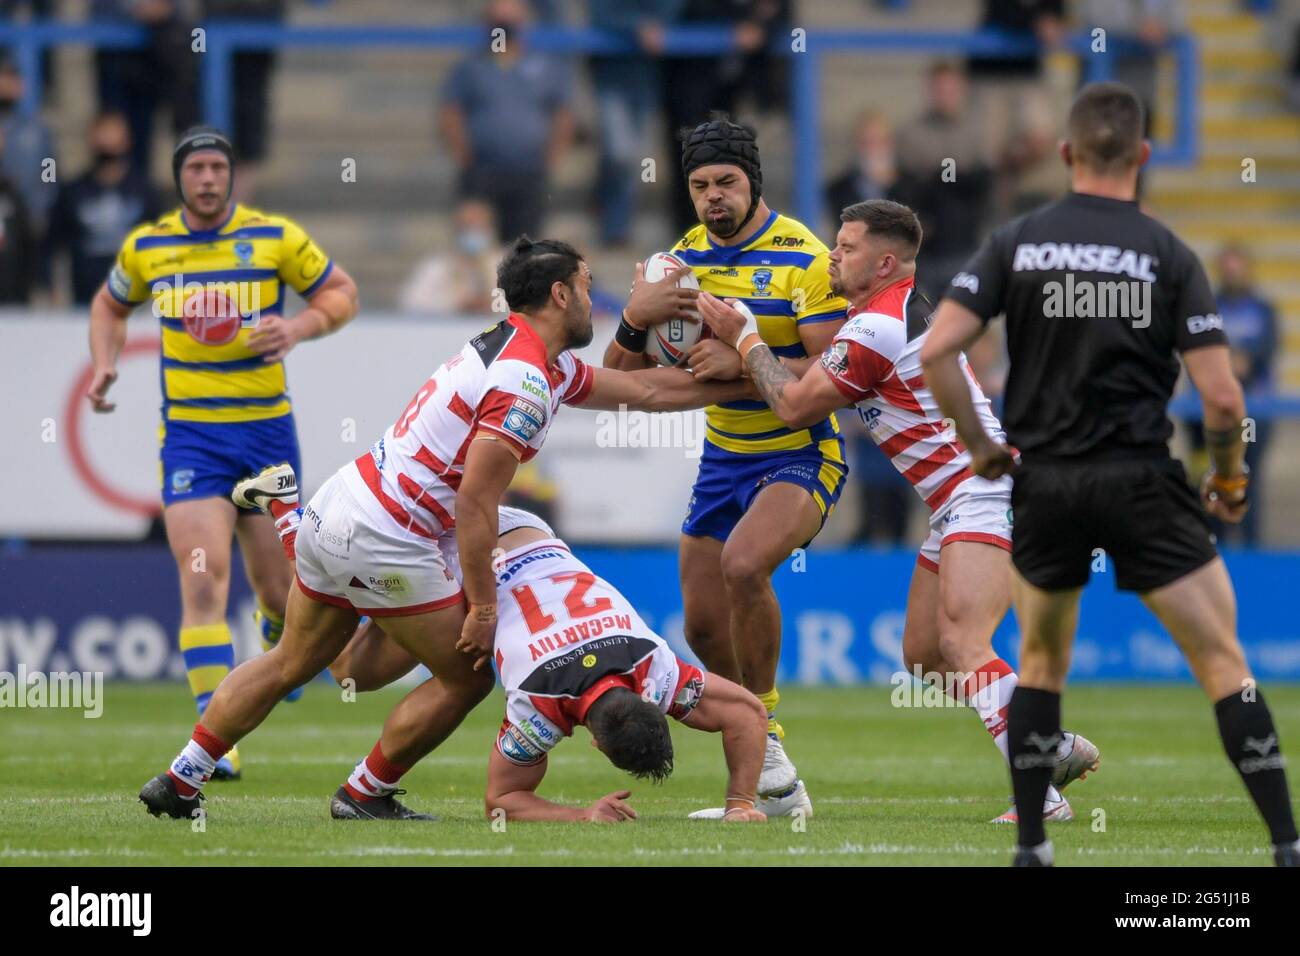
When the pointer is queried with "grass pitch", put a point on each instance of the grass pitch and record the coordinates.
(889, 787)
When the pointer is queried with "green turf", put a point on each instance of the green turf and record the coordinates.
(890, 786)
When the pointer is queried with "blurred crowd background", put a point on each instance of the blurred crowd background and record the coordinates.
(457, 150)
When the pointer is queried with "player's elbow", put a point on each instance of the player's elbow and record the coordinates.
(932, 355)
(797, 414)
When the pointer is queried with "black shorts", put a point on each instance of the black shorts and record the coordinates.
(1142, 513)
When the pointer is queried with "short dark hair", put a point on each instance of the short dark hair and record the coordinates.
(1105, 127)
(884, 217)
(632, 733)
(531, 266)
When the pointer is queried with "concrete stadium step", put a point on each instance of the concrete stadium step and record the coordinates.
(1227, 198)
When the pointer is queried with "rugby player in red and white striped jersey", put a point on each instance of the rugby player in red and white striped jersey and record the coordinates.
(375, 538)
(961, 587)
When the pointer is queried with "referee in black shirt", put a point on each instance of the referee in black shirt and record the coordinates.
(1098, 298)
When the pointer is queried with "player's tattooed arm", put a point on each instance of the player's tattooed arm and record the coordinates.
(797, 401)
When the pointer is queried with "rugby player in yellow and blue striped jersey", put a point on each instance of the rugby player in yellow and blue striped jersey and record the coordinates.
(225, 403)
(763, 489)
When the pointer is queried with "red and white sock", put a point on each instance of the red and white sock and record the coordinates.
(374, 777)
(193, 766)
(287, 517)
(988, 691)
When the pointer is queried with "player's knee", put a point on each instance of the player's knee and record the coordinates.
(347, 667)
(745, 573)
(204, 594)
(476, 686)
(921, 651)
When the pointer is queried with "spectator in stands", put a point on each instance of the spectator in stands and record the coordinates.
(28, 146)
(1011, 97)
(695, 86)
(627, 96)
(944, 154)
(873, 172)
(135, 82)
(461, 280)
(1142, 26)
(17, 242)
(250, 80)
(95, 211)
(1250, 321)
(505, 115)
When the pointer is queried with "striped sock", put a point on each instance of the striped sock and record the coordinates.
(209, 655)
(769, 702)
(193, 766)
(269, 625)
(988, 692)
(374, 777)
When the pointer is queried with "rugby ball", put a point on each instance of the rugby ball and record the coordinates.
(669, 342)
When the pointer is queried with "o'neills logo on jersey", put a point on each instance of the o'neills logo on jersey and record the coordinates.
(550, 643)
(1083, 257)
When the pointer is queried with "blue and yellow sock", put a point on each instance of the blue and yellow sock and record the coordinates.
(769, 702)
(209, 654)
(269, 625)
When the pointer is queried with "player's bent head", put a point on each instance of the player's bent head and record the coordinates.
(1105, 130)
(632, 733)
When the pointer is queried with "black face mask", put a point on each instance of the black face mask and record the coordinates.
(7, 104)
(103, 160)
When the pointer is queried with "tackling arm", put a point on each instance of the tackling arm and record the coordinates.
(659, 390)
(798, 402)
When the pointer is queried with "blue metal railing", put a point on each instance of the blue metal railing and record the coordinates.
(224, 38)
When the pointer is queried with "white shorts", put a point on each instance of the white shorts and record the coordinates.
(344, 559)
(977, 510)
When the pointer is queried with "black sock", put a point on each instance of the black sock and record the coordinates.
(1033, 734)
(1249, 737)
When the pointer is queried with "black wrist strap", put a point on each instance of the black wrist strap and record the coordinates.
(629, 336)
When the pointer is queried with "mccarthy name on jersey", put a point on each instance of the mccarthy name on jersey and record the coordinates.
(564, 637)
(875, 362)
(500, 383)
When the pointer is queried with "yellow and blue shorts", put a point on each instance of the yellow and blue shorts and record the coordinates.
(205, 459)
(728, 483)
